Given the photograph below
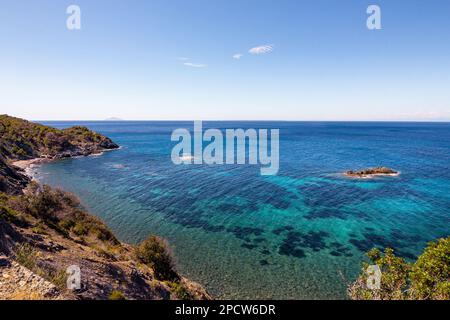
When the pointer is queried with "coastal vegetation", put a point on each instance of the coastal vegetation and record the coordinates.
(63, 213)
(153, 252)
(116, 295)
(426, 279)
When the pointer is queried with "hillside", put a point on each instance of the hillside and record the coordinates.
(43, 231)
(21, 140)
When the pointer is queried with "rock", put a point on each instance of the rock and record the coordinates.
(107, 143)
(4, 262)
(18, 282)
(377, 171)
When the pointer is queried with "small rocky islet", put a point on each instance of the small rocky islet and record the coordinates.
(371, 172)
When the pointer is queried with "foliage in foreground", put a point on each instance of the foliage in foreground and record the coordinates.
(426, 279)
(154, 252)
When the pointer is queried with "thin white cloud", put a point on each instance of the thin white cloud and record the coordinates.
(183, 58)
(268, 48)
(195, 65)
(237, 56)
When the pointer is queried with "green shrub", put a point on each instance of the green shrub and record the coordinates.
(104, 234)
(80, 229)
(180, 291)
(67, 224)
(3, 198)
(39, 229)
(154, 252)
(18, 152)
(9, 215)
(43, 203)
(116, 295)
(430, 275)
(426, 279)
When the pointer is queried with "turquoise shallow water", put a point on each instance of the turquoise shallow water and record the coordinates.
(300, 234)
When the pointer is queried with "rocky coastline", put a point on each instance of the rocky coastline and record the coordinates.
(43, 230)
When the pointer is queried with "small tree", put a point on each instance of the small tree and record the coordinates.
(154, 252)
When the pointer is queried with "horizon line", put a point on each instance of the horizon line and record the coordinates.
(234, 120)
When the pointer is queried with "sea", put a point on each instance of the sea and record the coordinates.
(300, 234)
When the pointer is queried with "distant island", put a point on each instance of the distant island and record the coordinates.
(113, 119)
(372, 172)
(44, 230)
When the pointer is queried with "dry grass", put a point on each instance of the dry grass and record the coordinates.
(26, 295)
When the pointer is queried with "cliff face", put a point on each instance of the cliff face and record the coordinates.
(43, 231)
(12, 181)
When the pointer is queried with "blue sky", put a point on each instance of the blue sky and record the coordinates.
(127, 60)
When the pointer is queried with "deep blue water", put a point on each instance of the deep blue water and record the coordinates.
(300, 234)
